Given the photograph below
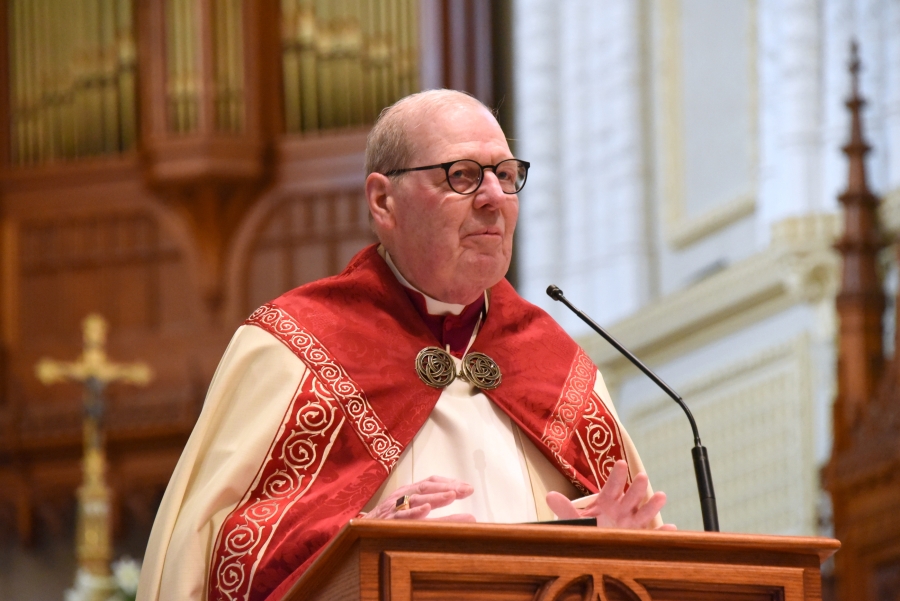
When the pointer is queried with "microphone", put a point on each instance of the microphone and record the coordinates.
(701, 459)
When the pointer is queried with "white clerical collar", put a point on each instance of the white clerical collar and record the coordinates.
(432, 305)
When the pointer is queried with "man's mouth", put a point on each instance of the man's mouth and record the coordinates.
(488, 231)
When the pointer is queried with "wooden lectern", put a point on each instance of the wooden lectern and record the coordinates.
(406, 561)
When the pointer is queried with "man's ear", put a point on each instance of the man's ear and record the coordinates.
(379, 196)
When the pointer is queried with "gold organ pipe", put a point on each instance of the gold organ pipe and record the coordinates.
(325, 64)
(171, 117)
(343, 60)
(65, 58)
(369, 94)
(41, 148)
(27, 66)
(110, 102)
(290, 64)
(54, 75)
(354, 60)
(391, 40)
(217, 9)
(79, 117)
(69, 84)
(15, 78)
(94, 78)
(338, 72)
(309, 67)
(383, 75)
(238, 50)
(236, 64)
(126, 80)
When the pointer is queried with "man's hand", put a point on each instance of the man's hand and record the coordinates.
(424, 496)
(613, 506)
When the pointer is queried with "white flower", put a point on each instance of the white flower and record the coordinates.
(74, 594)
(127, 573)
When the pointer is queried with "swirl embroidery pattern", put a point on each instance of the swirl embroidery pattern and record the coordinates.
(368, 426)
(300, 447)
(580, 414)
(600, 438)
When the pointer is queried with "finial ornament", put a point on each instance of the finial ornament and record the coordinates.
(855, 66)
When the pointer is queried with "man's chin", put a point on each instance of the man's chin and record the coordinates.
(486, 270)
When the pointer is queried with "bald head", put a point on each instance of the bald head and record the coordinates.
(392, 143)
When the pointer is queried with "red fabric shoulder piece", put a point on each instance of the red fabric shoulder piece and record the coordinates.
(581, 416)
(371, 431)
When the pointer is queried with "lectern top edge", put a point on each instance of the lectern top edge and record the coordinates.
(824, 547)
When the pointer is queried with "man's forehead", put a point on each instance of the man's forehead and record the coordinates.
(459, 122)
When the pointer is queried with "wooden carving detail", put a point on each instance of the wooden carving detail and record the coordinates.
(616, 590)
(420, 575)
(113, 263)
(305, 238)
(863, 475)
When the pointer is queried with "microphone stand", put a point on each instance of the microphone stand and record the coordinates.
(701, 459)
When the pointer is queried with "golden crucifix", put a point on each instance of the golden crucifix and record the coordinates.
(94, 371)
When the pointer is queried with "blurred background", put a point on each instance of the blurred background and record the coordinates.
(173, 164)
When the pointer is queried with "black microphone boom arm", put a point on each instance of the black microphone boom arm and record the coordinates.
(701, 459)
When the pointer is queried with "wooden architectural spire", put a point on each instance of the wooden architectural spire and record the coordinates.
(860, 301)
(863, 475)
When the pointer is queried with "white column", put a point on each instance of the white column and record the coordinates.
(790, 104)
(877, 31)
(536, 63)
(890, 26)
(579, 121)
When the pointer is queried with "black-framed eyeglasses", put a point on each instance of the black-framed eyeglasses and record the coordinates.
(465, 176)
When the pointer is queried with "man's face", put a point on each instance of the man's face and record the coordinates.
(450, 246)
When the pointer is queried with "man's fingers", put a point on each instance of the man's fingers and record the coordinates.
(459, 488)
(423, 496)
(436, 500)
(634, 496)
(456, 517)
(644, 516)
(561, 506)
(413, 513)
(667, 527)
(615, 484)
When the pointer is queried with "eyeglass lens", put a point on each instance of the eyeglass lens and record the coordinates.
(465, 176)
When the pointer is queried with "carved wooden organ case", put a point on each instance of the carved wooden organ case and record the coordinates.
(172, 164)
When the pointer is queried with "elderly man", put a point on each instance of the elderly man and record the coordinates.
(415, 384)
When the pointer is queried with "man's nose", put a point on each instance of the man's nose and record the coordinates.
(489, 193)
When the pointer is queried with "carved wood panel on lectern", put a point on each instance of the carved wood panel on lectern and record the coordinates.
(437, 577)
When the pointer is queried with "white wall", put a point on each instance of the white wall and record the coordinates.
(667, 138)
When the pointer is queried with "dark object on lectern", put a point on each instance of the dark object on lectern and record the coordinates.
(572, 522)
